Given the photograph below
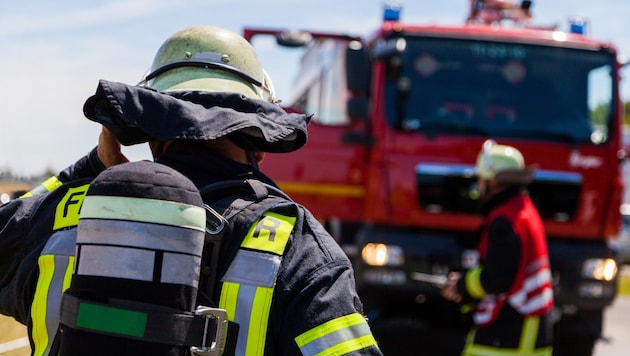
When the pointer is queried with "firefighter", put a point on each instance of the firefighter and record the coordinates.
(511, 286)
(209, 112)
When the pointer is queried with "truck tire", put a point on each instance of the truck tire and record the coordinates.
(576, 334)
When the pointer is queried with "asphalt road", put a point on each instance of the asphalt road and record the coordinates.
(13, 340)
(616, 327)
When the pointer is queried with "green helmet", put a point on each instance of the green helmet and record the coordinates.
(504, 163)
(208, 58)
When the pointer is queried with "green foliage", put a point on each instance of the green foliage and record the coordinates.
(600, 114)
(624, 284)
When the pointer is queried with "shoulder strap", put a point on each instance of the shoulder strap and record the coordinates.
(248, 284)
(225, 200)
(240, 188)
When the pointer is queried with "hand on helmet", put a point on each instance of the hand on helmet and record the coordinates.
(108, 150)
(449, 291)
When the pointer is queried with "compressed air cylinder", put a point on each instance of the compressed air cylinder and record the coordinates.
(139, 244)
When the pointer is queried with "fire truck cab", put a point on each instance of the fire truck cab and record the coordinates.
(399, 117)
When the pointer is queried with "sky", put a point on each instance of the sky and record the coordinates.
(52, 54)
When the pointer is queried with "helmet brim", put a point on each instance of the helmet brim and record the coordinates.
(516, 176)
(139, 114)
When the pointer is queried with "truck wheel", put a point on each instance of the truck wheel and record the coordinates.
(574, 347)
(402, 336)
(576, 334)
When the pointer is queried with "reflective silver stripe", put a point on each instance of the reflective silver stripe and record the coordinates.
(146, 210)
(253, 268)
(116, 262)
(46, 186)
(127, 249)
(139, 234)
(137, 264)
(531, 297)
(180, 269)
(39, 190)
(61, 243)
(335, 338)
(246, 296)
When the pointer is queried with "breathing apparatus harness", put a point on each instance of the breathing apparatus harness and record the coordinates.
(206, 331)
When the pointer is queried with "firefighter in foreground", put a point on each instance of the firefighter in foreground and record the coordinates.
(511, 287)
(142, 267)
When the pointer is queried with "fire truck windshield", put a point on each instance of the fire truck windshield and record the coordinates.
(472, 87)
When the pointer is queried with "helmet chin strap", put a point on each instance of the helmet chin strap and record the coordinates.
(251, 157)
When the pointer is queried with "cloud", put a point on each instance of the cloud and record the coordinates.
(71, 15)
(53, 53)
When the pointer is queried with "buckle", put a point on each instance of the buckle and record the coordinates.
(217, 345)
(215, 222)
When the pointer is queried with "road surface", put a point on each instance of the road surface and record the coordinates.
(13, 341)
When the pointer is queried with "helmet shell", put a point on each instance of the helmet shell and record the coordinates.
(502, 162)
(207, 58)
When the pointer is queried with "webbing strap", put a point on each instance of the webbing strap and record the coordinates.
(137, 321)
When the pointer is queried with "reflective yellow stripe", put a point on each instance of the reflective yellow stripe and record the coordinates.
(67, 212)
(48, 185)
(473, 283)
(337, 337)
(68, 276)
(527, 343)
(51, 183)
(270, 233)
(38, 308)
(349, 346)
(328, 327)
(338, 190)
(529, 333)
(470, 338)
(229, 296)
(260, 312)
(478, 350)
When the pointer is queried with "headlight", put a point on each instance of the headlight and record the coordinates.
(600, 269)
(375, 254)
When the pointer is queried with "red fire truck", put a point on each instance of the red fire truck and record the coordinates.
(399, 117)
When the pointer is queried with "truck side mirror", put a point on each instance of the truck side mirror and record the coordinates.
(357, 81)
(293, 38)
(357, 68)
(358, 108)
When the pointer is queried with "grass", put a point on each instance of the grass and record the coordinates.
(624, 284)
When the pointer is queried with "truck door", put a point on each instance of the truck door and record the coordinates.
(328, 174)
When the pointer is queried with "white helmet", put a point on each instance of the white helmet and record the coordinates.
(503, 163)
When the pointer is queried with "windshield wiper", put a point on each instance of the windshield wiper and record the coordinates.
(565, 137)
(434, 126)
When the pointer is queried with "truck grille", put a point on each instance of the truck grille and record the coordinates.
(451, 188)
